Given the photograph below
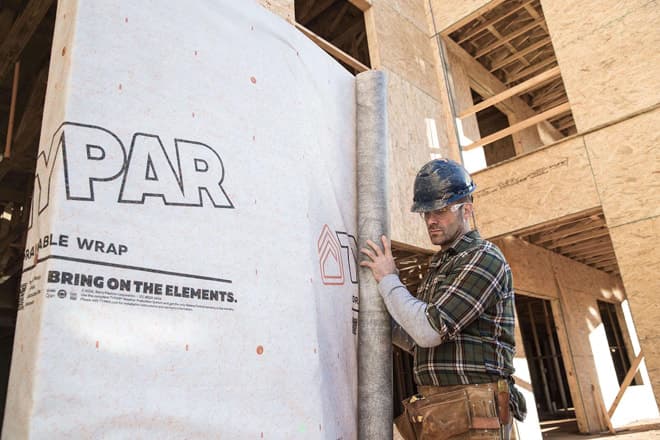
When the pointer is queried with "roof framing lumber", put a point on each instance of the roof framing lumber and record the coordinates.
(362, 5)
(521, 54)
(530, 70)
(520, 126)
(332, 49)
(21, 32)
(483, 26)
(486, 84)
(513, 91)
(507, 39)
(509, 46)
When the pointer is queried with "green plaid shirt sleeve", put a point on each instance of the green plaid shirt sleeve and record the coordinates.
(471, 305)
(467, 291)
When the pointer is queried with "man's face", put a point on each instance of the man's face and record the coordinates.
(447, 224)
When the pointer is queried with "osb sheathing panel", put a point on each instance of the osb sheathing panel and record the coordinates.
(283, 8)
(405, 49)
(636, 248)
(626, 166)
(413, 117)
(535, 270)
(541, 186)
(447, 13)
(463, 99)
(413, 10)
(530, 267)
(608, 54)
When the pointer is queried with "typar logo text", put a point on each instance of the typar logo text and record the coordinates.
(189, 174)
(337, 257)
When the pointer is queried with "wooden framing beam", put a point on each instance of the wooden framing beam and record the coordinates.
(557, 223)
(509, 46)
(519, 126)
(584, 247)
(507, 39)
(348, 34)
(626, 382)
(316, 8)
(483, 26)
(332, 49)
(567, 124)
(513, 91)
(508, 60)
(12, 110)
(582, 227)
(579, 238)
(21, 32)
(335, 22)
(362, 5)
(530, 70)
(486, 84)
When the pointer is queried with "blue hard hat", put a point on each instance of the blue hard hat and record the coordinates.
(439, 183)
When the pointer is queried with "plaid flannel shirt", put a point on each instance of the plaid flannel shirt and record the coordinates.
(470, 299)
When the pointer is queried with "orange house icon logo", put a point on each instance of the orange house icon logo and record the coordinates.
(337, 257)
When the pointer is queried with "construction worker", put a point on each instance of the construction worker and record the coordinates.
(460, 325)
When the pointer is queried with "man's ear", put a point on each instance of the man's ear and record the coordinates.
(468, 208)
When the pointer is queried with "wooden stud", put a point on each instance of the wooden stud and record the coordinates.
(602, 412)
(580, 238)
(332, 49)
(530, 70)
(21, 32)
(508, 45)
(349, 34)
(482, 27)
(507, 39)
(530, 83)
(626, 381)
(316, 9)
(337, 19)
(362, 5)
(519, 126)
(556, 223)
(12, 110)
(521, 53)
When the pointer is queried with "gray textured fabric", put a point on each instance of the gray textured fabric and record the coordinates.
(402, 339)
(408, 311)
(374, 329)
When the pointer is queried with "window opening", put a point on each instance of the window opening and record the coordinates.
(546, 364)
(338, 27)
(615, 341)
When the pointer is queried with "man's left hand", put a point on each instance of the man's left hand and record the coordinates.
(382, 261)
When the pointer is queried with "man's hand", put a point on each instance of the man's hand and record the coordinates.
(382, 262)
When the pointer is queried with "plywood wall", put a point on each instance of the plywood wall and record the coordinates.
(626, 165)
(636, 247)
(404, 47)
(417, 106)
(541, 186)
(415, 131)
(607, 52)
(574, 289)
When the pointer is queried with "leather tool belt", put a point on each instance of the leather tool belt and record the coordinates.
(456, 412)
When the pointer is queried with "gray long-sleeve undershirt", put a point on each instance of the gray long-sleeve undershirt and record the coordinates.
(408, 311)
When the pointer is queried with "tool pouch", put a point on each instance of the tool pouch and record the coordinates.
(471, 412)
(440, 416)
